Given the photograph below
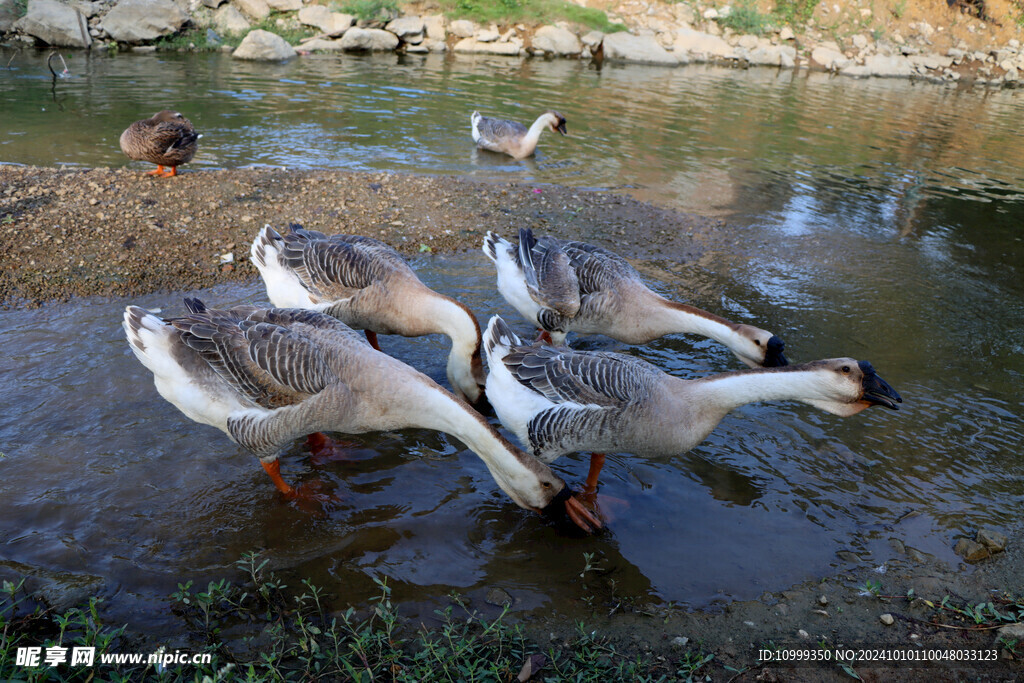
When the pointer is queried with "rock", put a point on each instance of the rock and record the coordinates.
(472, 46)
(625, 47)
(55, 24)
(802, 634)
(772, 55)
(321, 45)
(930, 61)
(212, 37)
(1013, 632)
(860, 42)
(257, 10)
(499, 597)
(557, 41)
(701, 46)
(786, 33)
(435, 27)
(213, 4)
(711, 14)
(9, 14)
(342, 23)
(991, 539)
(680, 641)
(229, 20)
(887, 619)
(884, 66)
(592, 39)
(285, 5)
(822, 599)
(830, 58)
(368, 40)
(264, 46)
(463, 28)
(487, 35)
(971, 551)
(137, 21)
(318, 16)
(408, 29)
(747, 42)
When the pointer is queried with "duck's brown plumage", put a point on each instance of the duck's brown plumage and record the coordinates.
(166, 139)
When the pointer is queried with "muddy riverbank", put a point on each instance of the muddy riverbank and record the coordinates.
(118, 232)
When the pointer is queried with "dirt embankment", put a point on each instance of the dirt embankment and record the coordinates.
(118, 232)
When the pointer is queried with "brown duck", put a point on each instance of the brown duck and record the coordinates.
(165, 139)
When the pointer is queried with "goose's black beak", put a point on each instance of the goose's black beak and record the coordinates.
(773, 357)
(565, 504)
(561, 127)
(876, 390)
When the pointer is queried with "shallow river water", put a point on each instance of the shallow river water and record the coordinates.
(877, 219)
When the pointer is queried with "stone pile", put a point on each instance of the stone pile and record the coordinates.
(661, 34)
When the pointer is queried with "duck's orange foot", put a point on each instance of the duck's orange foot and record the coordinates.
(314, 497)
(323, 449)
(169, 174)
(158, 171)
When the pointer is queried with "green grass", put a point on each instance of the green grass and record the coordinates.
(256, 628)
(366, 10)
(794, 12)
(745, 18)
(531, 11)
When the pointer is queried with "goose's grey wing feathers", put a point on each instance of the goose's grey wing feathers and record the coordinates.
(337, 267)
(498, 130)
(592, 378)
(269, 364)
(550, 277)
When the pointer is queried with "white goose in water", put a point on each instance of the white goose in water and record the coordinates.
(511, 138)
(556, 400)
(268, 376)
(565, 286)
(367, 285)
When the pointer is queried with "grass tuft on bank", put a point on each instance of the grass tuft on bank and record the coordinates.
(529, 11)
(257, 628)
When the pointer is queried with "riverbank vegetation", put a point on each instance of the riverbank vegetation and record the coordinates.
(256, 627)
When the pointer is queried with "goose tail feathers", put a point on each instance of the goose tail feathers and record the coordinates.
(492, 242)
(498, 339)
(266, 245)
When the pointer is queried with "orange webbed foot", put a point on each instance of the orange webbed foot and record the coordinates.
(158, 171)
(169, 174)
(314, 497)
(605, 508)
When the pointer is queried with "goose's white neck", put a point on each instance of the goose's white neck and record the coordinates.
(806, 383)
(442, 315)
(529, 142)
(668, 317)
(515, 472)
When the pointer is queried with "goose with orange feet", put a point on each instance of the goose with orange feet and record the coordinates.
(266, 377)
(557, 400)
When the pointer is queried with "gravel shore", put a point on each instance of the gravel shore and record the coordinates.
(77, 232)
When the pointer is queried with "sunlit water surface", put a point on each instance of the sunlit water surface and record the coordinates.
(875, 219)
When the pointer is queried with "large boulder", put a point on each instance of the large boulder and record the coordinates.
(257, 10)
(700, 46)
(885, 66)
(136, 21)
(473, 46)
(435, 27)
(408, 29)
(264, 46)
(368, 40)
(463, 28)
(55, 23)
(557, 41)
(318, 16)
(229, 20)
(625, 47)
